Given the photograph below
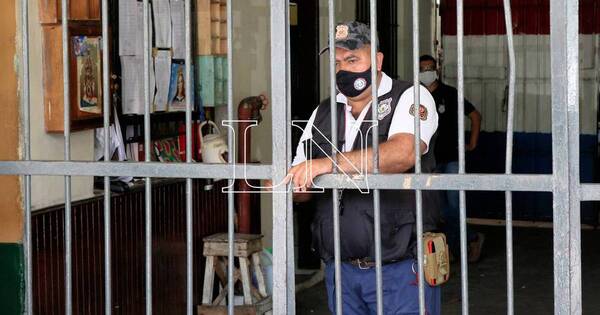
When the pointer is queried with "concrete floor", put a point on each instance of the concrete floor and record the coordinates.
(533, 285)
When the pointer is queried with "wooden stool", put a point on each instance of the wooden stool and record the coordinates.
(247, 249)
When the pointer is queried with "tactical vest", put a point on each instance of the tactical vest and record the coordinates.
(397, 207)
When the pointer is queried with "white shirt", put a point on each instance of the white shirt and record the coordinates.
(402, 119)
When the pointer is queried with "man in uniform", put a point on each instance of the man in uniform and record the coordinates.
(446, 151)
(396, 155)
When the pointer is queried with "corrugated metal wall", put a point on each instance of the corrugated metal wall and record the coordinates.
(486, 71)
(168, 206)
(486, 62)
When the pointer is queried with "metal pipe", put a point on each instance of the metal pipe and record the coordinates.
(417, 144)
(289, 219)
(188, 159)
(231, 157)
(25, 116)
(248, 115)
(67, 156)
(461, 156)
(334, 139)
(375, 150)
(106, 124)
(564, 60)
(283, 267)
(147, 151)
(509, 155)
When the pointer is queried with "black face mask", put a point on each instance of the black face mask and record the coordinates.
(351, 84)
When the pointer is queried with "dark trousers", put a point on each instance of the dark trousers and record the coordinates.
(400, 290)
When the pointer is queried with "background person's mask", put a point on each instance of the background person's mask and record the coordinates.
(428, 77)
(351, 84)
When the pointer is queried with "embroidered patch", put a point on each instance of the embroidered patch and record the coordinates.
(360, 84)
(341, 32)
(422, 112)
(384, 108)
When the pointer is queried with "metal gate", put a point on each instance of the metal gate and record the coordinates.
(564, 181)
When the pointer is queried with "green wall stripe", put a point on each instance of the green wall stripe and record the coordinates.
(11, 279)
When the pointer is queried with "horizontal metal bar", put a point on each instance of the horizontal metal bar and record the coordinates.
(141, 169)
(480, 182)
(521, 223)
(590, 192)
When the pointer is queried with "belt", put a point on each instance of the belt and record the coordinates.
(367, 263)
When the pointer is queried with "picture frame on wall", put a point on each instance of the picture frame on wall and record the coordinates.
(85, 76)
(85, 67)
(88, 81)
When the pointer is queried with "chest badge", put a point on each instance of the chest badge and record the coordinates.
(384, 108)
(442, 109)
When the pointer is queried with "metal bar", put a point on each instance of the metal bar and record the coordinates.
(564, 47)
(509, 155)
(147, 151)
(67, 156)
(590, 192)
(188, 159)
(231, 157)
(375, 149)
(106, 115)
(25, 117)
(291, 285)
(461, 155)
(417, 144)
(283, 287)
(146, 169)
(480, 182)
(337, 261)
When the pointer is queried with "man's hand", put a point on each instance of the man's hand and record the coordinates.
(471, 146)
(303, 174)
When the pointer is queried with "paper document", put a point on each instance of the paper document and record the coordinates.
(178, 25)
(162, 67)
(128, 27)
(132, 84)
(162, 23)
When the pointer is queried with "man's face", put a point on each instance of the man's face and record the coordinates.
(427, 65)
(358, 60)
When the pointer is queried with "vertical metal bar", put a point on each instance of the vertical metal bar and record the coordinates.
(509, 155)
(231, 157)
(334, 139)
(291, 285)
(106, 111)
(283, 288)
(564, 45)
(375, 148)
(67, 156)
(147, 151)
(25, 116)
(188, 159)
(417, 143)
(461, 155)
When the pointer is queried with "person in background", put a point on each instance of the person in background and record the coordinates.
(446, 150)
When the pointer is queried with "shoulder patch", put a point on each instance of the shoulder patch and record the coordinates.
(422, 112)
(384, 108)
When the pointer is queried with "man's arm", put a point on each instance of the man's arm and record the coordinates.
(396, 155)
(475, 118)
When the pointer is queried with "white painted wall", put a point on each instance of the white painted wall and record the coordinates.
(48, 191)
(252, 76)
(486, 63)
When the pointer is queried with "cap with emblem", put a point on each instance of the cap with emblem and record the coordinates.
(351, 35)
